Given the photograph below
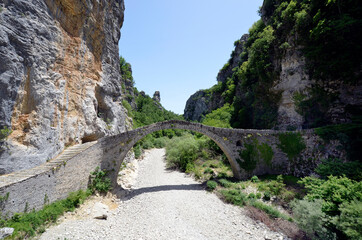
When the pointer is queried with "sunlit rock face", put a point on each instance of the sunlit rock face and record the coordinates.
(59, 76)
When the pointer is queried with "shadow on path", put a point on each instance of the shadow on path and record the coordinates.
(133, 193)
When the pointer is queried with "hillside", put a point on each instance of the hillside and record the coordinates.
(298, 67)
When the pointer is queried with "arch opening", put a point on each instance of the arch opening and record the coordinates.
(131, 138)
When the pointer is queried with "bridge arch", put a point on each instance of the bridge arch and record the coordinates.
(128, 139)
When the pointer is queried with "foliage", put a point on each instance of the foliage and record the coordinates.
(182, 151)
(252, 154)
(271, 211)
(310, 218)
(349, 135)
(234, 196)
(4, 133)
(266, 153)
(99, 181)
(219, 117)
(334, 191)
(128, 107)
(28, 224)
(211, 185)
(249, 156)
(337, 167)
(225, 183)
(254, 179)
(267, 196)
(350, 219)
(125, 68)
(292, 144)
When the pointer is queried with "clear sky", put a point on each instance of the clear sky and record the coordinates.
(178, 46)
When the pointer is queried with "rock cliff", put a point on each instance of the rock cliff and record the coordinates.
(285, 74)
(60, 81)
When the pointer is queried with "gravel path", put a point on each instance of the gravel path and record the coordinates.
(164, 205)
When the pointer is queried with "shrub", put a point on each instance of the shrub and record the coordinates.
(268, 209)
(234, 196)
(219, 117)
(254, 179)
(258, 195)
(336, 167)
(211, 185)
(225, 183)
(350, 220)
(251, 196)
(277, 186)
(310, 218)
(137, 151)
(267, 196)
(181, 151)
(99, 181)
(208, 170)
(334, 191)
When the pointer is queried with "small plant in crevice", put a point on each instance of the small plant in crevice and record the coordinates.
(4, 133)
(99, 181)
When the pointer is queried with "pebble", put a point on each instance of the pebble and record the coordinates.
(164, 205)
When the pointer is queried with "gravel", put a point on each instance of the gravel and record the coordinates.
(163, 204)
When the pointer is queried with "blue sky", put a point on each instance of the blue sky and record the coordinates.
(178, 47)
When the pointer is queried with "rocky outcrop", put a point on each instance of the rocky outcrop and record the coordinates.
(59, 76)
(203, 101)
(234, 61)
(157, 96)
(197, 106)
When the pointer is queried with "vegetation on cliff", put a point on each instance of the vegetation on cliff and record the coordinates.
(325, 32)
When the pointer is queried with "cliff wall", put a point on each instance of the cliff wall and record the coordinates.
(297, 68)
(60, 82)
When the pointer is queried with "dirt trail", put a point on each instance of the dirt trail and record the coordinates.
(163, 205)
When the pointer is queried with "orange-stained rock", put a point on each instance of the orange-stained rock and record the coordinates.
(59, 76)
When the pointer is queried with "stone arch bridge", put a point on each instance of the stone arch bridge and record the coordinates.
(250, 152)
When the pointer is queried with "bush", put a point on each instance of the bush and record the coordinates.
(254, 179)
(208, 170)
(268, 209)
(267, 196)
(350, 220)
(234, 196)
(258, 195)
(225, 183)
(99, 181)
(211, 185)
(251, 196)
(334, 191)
(181, 151)
(310, 218)
(137, 151)
(336, 167)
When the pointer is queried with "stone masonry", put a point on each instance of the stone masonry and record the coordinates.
(69, 172)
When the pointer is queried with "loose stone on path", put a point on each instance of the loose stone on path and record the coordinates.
(164, 204)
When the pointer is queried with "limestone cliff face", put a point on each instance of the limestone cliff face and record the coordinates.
(60, 82)
(292, 77)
